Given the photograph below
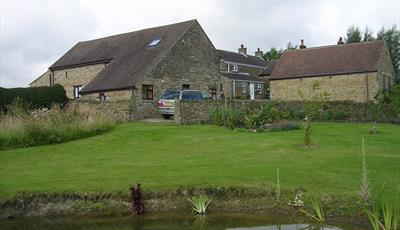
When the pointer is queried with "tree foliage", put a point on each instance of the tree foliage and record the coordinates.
(275, 53)
(353, 35)
(390, 35)
(368, 35)
(272, 54)
(392, 38)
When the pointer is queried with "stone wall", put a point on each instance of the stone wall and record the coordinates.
(195, 112)
(386, 72)
(70, 77)
(361, 87)
(193, 60)
(42, 80)
(76, 76)
(110, 96)
(118, 110)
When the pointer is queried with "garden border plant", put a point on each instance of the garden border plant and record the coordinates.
(19, 128)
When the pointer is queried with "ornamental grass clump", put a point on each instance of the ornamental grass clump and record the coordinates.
(21, 128)
(316, 205)
(385, 213)
(365, 189)
(200, 203)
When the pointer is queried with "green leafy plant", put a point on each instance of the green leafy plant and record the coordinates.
(316, 205)
(385, 213)
(307, 132)
(200, 203)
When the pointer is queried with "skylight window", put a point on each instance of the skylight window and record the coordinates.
(154, 42)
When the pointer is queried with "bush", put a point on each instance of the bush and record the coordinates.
(264, 118)
(284, 126)
(20, 129)
(33, 97)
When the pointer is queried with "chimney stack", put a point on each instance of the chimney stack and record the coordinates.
(259, 53)
(242, 50)
(340, 42)
(302, 46)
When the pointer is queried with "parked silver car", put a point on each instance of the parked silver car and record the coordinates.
(166, 105)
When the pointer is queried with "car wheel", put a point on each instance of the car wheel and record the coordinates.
(166, 116)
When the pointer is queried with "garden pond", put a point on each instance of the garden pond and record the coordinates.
(167, 221)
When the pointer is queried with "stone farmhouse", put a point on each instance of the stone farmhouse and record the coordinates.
(356, 72)
(240, 74)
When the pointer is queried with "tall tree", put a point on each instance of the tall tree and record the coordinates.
(368, 35)
(290, 46)
(273, 53)
(392, 38)
(353, 35)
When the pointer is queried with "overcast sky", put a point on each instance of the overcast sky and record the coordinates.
(35, 33)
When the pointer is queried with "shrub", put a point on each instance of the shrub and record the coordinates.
(284, 126)
(33, 97)
(137, 206)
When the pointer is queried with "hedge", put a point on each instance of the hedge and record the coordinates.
(33, 97)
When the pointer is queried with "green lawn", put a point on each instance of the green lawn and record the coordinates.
(164, 156)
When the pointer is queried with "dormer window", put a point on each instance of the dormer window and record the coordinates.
(235, 68)
(154, 42)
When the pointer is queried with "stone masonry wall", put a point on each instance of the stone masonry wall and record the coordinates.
(118, 110)
(193, 60)
(76, 76)
(43, 80)
(110, 96)
(339, 87)
(386, 72)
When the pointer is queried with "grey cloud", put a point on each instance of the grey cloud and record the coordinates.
(36, 33)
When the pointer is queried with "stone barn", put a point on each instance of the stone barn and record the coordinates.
(356, 72)
(138, 66)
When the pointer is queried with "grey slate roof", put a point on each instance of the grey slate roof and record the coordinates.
(329, 60)
(240, 58)
(130, 59)
(267, 71)
(242, 77)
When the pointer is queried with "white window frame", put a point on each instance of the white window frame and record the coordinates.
(235, 68)
(244, 85)
(102, 97)
(259, 88)
(77, 91)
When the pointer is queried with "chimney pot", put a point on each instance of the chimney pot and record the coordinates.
(340, 42)
(258, 53)
(242, 50)
(302, 46)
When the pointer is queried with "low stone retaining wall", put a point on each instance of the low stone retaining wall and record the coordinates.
(195, 112)
(118, 110)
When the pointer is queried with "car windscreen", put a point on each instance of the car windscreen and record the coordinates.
(206, 95)
(191, 95)
(170, 94)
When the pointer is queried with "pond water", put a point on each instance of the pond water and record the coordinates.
(170, 221)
